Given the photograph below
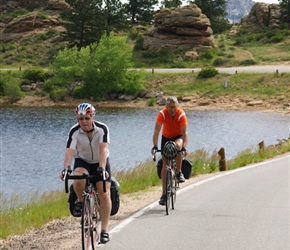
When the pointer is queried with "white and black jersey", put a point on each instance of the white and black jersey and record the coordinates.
(84, 148)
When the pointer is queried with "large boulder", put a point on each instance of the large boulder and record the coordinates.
(13, 29)
(183, 28)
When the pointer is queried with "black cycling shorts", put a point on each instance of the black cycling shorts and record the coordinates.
(92, 168)
(164, 140)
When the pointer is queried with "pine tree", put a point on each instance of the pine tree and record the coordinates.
(141, 11)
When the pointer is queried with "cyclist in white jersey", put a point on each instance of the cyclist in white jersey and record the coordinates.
(88, 145)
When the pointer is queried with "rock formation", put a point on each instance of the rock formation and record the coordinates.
(184, 28)
(261, 15)
(13, 29)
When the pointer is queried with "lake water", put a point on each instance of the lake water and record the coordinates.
(33, 140)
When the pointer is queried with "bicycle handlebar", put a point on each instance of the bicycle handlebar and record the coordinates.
(84, 176)
(154, 154)
(159, 150)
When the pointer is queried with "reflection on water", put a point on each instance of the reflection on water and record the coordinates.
(33, 140)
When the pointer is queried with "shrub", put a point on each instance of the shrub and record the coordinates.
(219, 61)
(139, 43)
(12, 89)
(58, 94)
(207, 73)
(35, 75)
(151, 101)
(208, 54)
(247, 62)
(277, 38)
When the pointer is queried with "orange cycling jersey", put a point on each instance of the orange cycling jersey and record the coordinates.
(171, 125)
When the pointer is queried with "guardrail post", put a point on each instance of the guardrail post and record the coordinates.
(261, 146)
(152, 71)
(222, 161)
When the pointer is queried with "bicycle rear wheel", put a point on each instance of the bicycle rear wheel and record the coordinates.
(168, 189)
(89, 241)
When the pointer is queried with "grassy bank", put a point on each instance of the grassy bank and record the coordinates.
(18, 219)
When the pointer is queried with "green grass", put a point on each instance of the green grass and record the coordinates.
(255, 85)
(15, 218)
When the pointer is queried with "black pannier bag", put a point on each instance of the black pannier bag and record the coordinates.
(72, 199)
(115, 197)
(186, 168)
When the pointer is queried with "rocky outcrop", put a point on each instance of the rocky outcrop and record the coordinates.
(13, 29)
(263, 15)
(184, 28)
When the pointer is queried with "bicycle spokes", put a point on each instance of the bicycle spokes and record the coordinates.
(89, 225)
(168, 189)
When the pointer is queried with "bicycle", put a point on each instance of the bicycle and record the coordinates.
(90, 218)
(171, 183)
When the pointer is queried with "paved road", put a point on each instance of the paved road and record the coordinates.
(233, 70)
(244, 209)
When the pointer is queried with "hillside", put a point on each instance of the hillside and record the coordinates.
(30, 36)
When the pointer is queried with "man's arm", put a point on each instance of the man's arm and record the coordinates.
(69, 153)
(156, 134)
(103, 146)
(184, 136)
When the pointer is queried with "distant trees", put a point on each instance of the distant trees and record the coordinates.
(215, 10)
(171, 3)
(141, 11)
(285, 11)
(90, 19)
(85, 24)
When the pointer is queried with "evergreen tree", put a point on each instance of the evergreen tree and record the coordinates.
(85, 23)
(114, 16)
(141, 11)
(215, 10)
(285, 11)
(171, 3)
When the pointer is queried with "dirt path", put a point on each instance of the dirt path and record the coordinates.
(65, 234)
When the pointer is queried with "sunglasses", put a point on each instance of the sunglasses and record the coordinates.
(84, 118)
(171, 107)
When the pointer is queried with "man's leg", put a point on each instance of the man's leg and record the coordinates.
(105, 209)
(178, 160)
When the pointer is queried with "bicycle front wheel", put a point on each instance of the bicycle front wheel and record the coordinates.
(173, 190)
(89, 241)
(168, 189)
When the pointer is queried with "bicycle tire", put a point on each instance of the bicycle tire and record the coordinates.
(88, 233)
(94, 223)
(173, 191)
(168, 189)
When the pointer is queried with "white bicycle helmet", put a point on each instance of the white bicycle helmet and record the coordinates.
(170, 150)
(85, 109)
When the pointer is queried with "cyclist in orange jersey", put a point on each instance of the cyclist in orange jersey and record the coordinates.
(173, 122)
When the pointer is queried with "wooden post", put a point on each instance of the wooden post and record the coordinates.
(222, 161)
(261, 146)
(152, 71)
